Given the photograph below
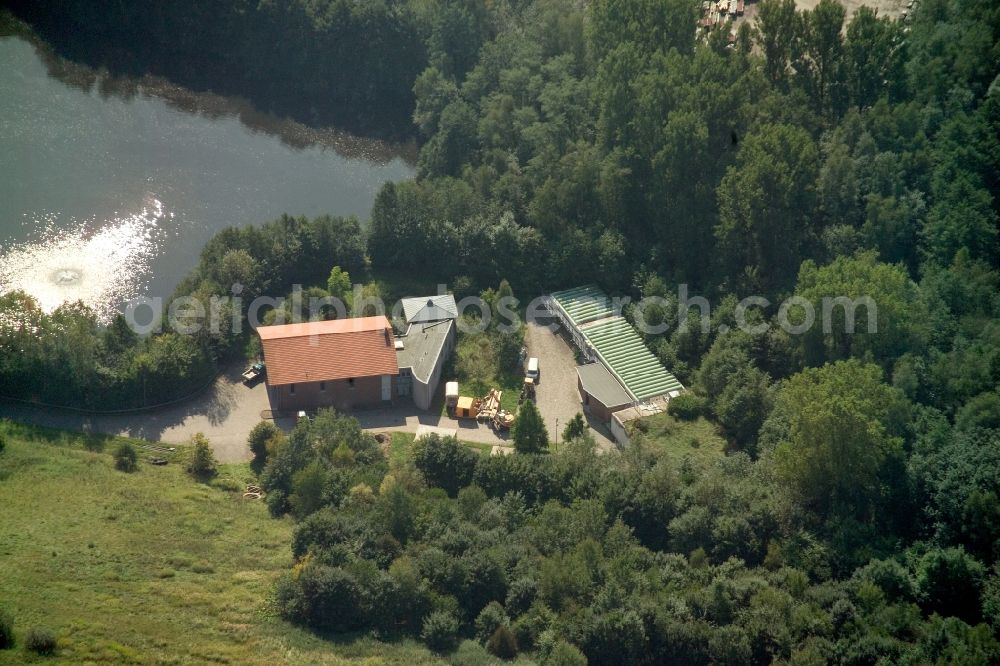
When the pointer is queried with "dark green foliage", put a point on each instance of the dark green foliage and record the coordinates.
(203, 465)
(576, 427)
(502, 643)
(6, 630)
(982, 411)
(308, 487)
(3, 442)
(328, 597)
(277, 503)
(565, 654)
(491, 618)
(832, 430)
(529, 432)
(40, 640)
(261, 434)
(687, 406)
(949, 582)
(444, 462)
(440, 631)
(961, 487)
(126, 458)
(743, 405)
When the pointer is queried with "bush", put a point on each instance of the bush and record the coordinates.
(3, 442)
(565, 654)
(950, 582)
(471, 653)
(444, 462)
(126, 458)
(40, 640)
(490, 619)
(687, 406)
(277, 503)
(203, 465)
(6, 630)
(502, 643)
(261, 434)
(440, 631)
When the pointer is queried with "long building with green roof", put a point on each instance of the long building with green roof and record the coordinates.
(628, 358)
(603, 335)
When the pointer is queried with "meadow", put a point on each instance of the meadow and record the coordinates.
(148, 567)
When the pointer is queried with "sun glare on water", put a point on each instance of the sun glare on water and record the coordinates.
(102, 265)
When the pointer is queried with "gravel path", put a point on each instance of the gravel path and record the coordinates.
(557, 395)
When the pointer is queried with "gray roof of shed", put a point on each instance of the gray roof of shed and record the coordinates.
(602, 385)
(430, 308)
(422, 347)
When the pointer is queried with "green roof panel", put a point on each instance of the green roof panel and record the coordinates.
(626, 355)
(584, 304)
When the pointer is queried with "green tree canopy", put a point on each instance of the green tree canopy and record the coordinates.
(529, 433)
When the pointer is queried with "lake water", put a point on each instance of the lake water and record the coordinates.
(109, 188)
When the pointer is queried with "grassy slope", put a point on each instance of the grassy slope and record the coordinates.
(697, 440)
(150, 567)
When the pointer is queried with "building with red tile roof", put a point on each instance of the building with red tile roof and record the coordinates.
(343, 363)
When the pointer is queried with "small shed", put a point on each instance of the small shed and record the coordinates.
(601, 393)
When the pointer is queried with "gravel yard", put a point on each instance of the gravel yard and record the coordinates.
(557, 395)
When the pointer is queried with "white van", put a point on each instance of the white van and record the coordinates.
(532, 372)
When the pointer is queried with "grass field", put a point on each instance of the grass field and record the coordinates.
(150, 567)
(695, 440)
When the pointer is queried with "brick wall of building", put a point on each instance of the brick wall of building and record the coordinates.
(342, 395)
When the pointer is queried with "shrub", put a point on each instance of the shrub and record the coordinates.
(502, 643)
(565, 654)
(307, 489)
(950, 582)
(40, 640)
(126, 458)
(440, 631)
(261, 434)
(575, 428)
(520, 595)
(490, 619)
(471, 653)
(687, 406)
(277, 503)
(203, 465)
(444, 462)
(3, 442)
(6, 630)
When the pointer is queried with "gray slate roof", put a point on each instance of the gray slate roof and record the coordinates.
(429, 308)
(601, 384)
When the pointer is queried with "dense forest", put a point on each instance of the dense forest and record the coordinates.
(857, 517)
